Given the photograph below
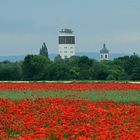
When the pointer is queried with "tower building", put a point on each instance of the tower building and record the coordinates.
(66, 43)
(104, 53)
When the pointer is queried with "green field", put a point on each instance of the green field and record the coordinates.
(116, 96)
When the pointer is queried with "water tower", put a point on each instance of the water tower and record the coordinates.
(66, 43)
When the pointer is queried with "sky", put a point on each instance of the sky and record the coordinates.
(26, 24)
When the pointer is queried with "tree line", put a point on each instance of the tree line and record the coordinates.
(40, 67)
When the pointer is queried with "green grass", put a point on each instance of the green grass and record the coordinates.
(116, 96)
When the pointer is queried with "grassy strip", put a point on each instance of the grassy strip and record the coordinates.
(116, 96)
(74, 81)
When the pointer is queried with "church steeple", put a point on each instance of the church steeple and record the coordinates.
(104, 53)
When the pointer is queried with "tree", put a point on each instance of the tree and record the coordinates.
(136, 72)
(58, 59)
(44, 50)
(58, 71)
(101, 71)
(110, 77)
(10, 71)
(84, 62)
(35, 67)
(132, 66)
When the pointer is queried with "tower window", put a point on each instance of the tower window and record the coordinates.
(66, 40)
(106, 56)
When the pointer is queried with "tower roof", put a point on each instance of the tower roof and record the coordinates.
(66, 31)
(104, 49)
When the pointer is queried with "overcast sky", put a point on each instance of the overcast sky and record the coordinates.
(26, 24)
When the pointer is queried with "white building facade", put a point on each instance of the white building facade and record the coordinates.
(104, 53)
(66, 43)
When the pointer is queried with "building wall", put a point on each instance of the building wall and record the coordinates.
(66, 50)
(104, 56)
(66, 45)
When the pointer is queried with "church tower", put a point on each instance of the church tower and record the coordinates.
(104, 53)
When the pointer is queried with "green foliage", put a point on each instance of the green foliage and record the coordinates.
(136, 73)
(12, 133)
(10, 71)
(132, 67)
(35, 66)
(110, 77)
(102, 71)
(58, 59)
(44, 50)
(58, 71)
(39, 67)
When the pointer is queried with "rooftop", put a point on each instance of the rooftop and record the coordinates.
(67, 31)
(104, 49)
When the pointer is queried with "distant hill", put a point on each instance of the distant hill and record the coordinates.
(94, 55)
(12, 58)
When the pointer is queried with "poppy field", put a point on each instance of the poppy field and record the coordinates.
(70, 111)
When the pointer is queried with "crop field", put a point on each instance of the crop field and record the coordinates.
(75, 111)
